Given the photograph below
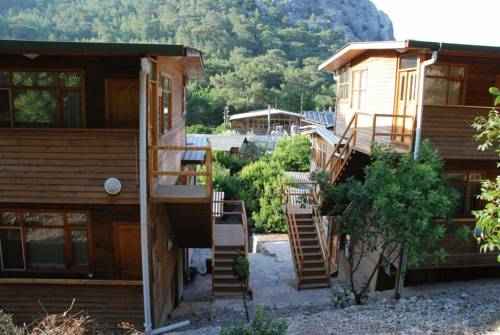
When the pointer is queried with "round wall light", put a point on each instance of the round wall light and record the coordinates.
(112, 186)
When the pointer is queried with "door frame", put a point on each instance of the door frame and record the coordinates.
(396, 123)
(116, 243)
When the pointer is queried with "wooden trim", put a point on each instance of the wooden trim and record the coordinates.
(22, 248)
(86, 282)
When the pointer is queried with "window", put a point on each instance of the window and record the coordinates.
(468, 187)
(40, 99)
(44, 239)
(359, 80)
(444, 84)
(165, 103)
(343, 87)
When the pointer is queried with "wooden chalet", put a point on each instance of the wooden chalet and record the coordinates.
(71, 208)
(264, 121)
(398, 93)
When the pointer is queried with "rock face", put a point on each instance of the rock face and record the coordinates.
(359, 19)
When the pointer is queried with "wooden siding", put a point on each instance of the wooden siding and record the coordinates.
(67, 166)
(106, 304)
(380, 89)
(449, 129)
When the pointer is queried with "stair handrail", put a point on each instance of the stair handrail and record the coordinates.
(318, 222)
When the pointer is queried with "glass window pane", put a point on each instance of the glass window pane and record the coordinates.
(5, 114)
(435, 91)
(475, 203)
(166, 88)
(355, 80)
(4, 79)
(35, 108)
(11, 249)
(45, 248)
(457, 71)
(33, 79)
(71, 109)
(408, 61)
(79, 247)
(454, 88)
(362, 100)
(77, 219)
(437, 70)
(355, 99)
(364, 78)
(10, 219)
(68, 79)
(44, 219)
(402, 88)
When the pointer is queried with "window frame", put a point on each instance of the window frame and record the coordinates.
(20, 229)
(467, 192)
(69, 266)
(359, 89)
(161, 103)
(58, 89)
(344, 82)
(448, 78)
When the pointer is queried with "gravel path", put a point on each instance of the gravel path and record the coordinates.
(444, 309)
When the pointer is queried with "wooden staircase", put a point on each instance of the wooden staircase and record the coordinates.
(307, 242)
(229, 236)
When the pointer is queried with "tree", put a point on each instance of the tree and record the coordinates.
(487, 228)
(198, 129)
(241, 272)
(293, 154)
(398, 202)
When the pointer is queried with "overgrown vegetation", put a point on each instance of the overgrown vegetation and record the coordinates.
(241, 273)
(260, 325)
(396, 204)
(488, 220)
(255, 54)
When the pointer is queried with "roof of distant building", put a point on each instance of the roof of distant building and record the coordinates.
(221, 142)
(326, 134)
(322, 118)
(262, 112)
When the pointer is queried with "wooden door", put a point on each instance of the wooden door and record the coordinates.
(122, 103)
(406, 105)
(128, 249)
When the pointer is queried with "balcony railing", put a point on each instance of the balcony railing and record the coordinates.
(172, 181)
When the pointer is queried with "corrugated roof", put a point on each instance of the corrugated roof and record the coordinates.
(261, 112)
(326, 134)
(223, 142)
(323, 118)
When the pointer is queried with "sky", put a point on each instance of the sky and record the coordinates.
(454, 21)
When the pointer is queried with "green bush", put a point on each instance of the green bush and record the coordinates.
(222, 181)
(270, 216)
(231, 162)
(260, 325)
(293, 154)
(198, 129)
(7, 325)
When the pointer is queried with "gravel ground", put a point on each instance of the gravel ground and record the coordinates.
(453, 308)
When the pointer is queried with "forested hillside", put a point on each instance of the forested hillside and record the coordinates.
(257, 52)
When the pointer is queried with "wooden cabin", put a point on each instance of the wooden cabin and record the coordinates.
(69, 178)
(264, 121)
(378, 92)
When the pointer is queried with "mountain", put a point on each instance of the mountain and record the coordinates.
(257, 52)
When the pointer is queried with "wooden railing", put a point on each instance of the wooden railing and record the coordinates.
(350, 139)
(158, 167)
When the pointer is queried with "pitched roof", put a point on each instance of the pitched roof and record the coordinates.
(221, 142)
(324, 133)
(354, 49)
(262, 112)
(322, 118)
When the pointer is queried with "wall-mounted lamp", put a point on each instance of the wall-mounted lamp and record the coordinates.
(112, 186)
(31, 56)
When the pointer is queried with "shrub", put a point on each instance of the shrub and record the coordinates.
(293, 154)
(198, 129)
(7, 325)
(260, 325)
(231, 162)
(270, 216)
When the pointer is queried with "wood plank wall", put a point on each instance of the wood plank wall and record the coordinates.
(96, 69)
(67, 166)
(449, 129)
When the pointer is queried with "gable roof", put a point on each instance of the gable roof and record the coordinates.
(324, 133)
(262, 112)
(220, 142)
(355, 49)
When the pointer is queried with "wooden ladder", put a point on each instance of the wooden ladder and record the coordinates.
(223, 251)
(306, 243)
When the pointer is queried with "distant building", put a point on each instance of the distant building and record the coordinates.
(264, 121)
(232, 144)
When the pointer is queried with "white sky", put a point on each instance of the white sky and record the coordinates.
(455, 21)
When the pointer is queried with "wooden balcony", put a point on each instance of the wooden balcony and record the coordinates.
(68, 166)
(171, 182)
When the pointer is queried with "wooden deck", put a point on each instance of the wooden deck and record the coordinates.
(108, 304)
(179, 193)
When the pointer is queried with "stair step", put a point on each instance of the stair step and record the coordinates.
(226, 251)
(314, 285)
(314, 277)
(218, 285)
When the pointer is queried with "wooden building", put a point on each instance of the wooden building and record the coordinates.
(70, 204)
(265, 121)
(379, 86)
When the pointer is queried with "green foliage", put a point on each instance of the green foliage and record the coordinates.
(7, 325)
(340, 296)
(241, 273)
(270, 216)
(398, 202)
(254, 53)
(488, 220)
(293, 154)
(231, 162)
(222, 181)
(260, 325)
(198, 129)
